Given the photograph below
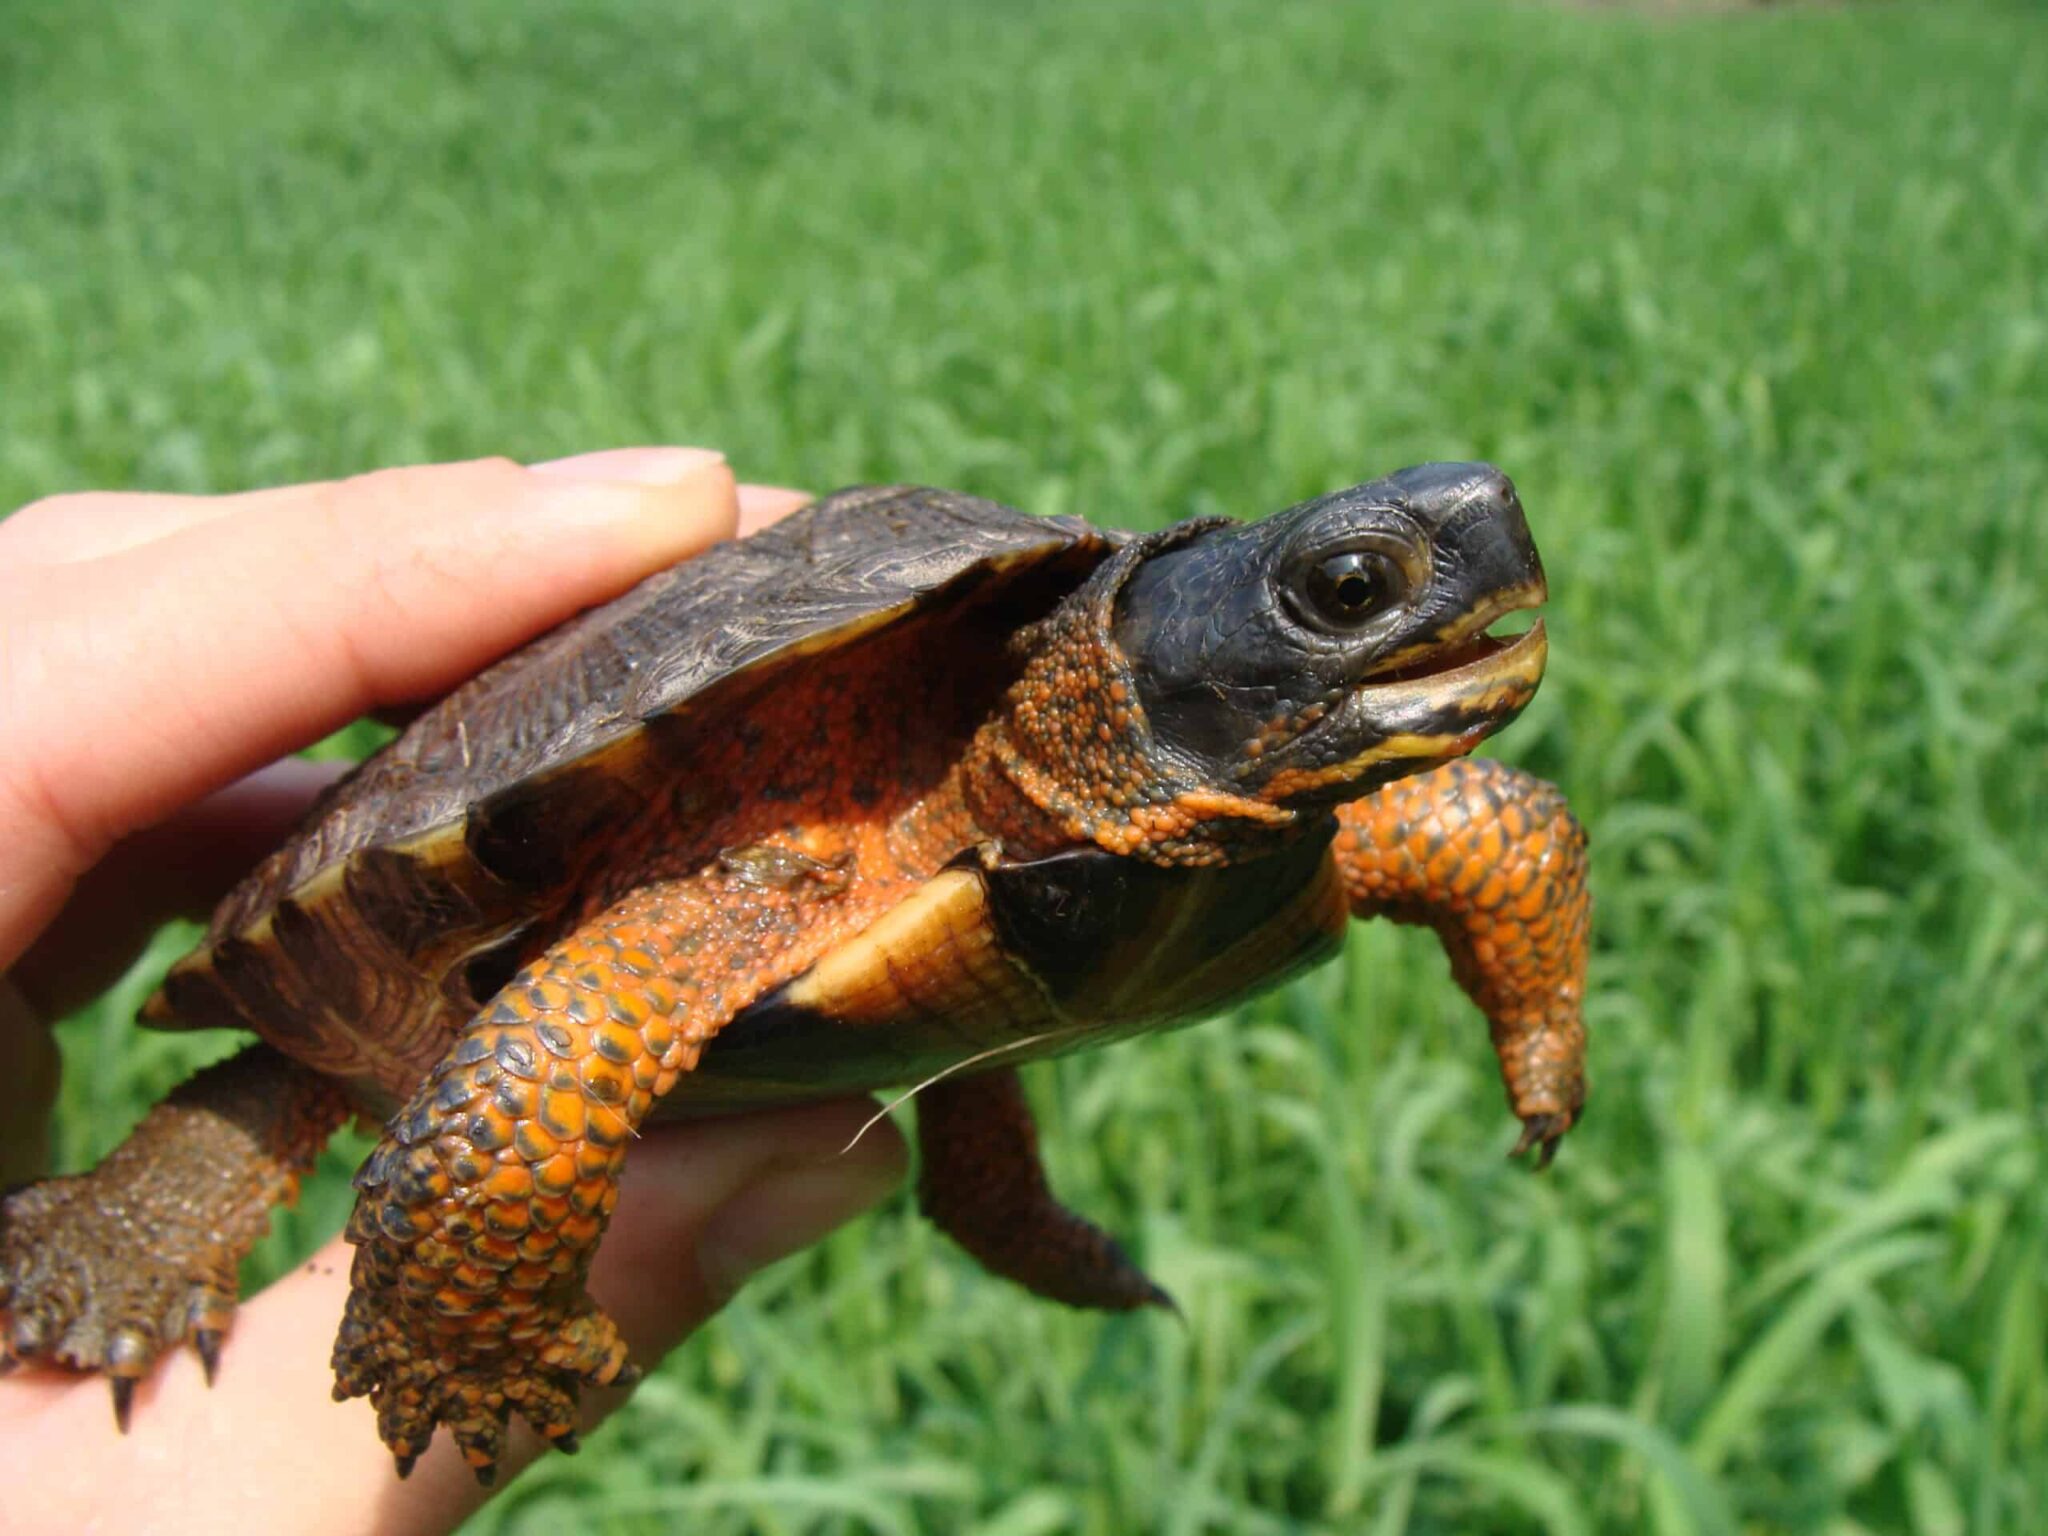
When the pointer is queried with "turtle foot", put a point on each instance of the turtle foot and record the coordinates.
(104, 1271)
(540, 1374)
(93, 1279)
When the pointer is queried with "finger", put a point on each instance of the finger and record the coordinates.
(183, 866)
(313, 1467)
(761, 505)
(85, 525)
(62, 530)
(241, 638)
(179, 868)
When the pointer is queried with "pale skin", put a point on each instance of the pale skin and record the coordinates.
(158, 656)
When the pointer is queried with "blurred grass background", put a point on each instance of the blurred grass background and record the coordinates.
(1753, 305)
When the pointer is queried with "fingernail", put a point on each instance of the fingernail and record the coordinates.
(633, 466)
(789, 1210)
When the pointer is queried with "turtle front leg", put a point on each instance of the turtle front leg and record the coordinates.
(1492, 859)
(106, 1270)
(480, 1211)
(981, 1183)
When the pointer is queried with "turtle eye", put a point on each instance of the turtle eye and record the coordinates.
(1354, 587)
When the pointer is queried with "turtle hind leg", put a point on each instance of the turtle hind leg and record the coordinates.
(981, 1183)
(104, 1271)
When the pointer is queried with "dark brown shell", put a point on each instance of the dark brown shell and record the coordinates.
(454, 840)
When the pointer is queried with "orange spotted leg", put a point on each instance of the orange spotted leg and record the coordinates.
(1493, 860)
(479, 1213)
(981, 1184)
(106, 1270)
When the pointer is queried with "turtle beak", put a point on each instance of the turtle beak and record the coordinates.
(1422, 715)
(1462, 694)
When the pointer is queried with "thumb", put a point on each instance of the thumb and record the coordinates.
(704, 1206)
(248, 626)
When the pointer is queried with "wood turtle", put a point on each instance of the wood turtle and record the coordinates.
(910, 788)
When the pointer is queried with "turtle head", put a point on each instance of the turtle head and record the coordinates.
(1308, 658)
(1213, 687)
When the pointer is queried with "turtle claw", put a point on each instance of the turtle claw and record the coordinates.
(1158, 1296)
(482, 1441)
(416, 1391)
(207, 1342)
(1541, 1133)
(124, 1399)
(83, 1290)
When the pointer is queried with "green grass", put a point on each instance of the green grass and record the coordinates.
(1754, 307)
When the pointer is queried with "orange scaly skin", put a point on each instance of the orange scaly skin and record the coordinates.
(1493, 860)
(1068, 761)
(479, 1213)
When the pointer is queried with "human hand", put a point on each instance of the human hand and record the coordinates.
(155, 653)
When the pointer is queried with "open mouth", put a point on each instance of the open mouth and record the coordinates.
(1433, 709)
(1472, 652)
(1436, 706)
(1477, 651)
